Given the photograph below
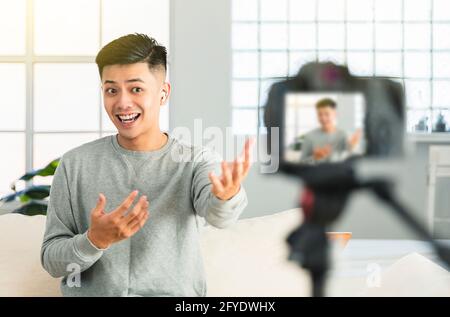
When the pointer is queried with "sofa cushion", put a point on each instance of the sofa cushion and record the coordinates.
(250, 258)
(21, 273)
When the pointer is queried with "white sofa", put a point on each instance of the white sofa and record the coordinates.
(246, 259)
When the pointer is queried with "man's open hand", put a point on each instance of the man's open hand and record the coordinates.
(320, 153)
(108, 228)
(354, 139)
(228, 184)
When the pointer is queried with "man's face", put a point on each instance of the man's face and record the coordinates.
(326, 117)
(132, 95)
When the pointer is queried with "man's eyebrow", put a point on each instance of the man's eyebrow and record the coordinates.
(132, 80)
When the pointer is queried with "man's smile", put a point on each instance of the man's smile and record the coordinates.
(127, 120)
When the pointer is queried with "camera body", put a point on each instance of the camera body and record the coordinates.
(382, 120)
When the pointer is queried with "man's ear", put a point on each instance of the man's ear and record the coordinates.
(165, 92)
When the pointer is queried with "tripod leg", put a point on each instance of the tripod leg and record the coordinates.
(385, 194)
(318, 283)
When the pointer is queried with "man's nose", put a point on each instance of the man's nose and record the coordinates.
(125, 101)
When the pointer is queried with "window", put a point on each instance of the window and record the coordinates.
(405, 40)
(49, 83)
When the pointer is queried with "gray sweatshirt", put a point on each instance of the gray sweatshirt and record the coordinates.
(163, 258)
(319, 138)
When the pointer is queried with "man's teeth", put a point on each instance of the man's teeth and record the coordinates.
(128, 117)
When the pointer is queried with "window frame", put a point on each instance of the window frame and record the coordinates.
(29, 59)
(432, 80)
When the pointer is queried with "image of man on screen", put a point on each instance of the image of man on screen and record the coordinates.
(328, 142)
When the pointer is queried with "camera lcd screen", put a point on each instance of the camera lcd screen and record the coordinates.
(323, 127)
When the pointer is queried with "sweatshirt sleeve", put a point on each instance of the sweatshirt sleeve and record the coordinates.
(63, 245)
(218, 213)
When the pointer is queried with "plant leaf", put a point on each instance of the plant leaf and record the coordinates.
(32, 192)
(9, 197)
(24, 198)
(37, 191)
(46, 171)
(32, 208)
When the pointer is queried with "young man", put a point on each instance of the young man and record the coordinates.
(327, 143)
(124, 209)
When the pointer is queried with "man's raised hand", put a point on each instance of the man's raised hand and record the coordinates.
(354, 139)
(228, 184)
(108, 228)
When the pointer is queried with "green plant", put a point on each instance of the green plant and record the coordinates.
(297, 144)
(33, 199)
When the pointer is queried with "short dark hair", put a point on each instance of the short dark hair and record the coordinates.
(326, 102)
(130, 49)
